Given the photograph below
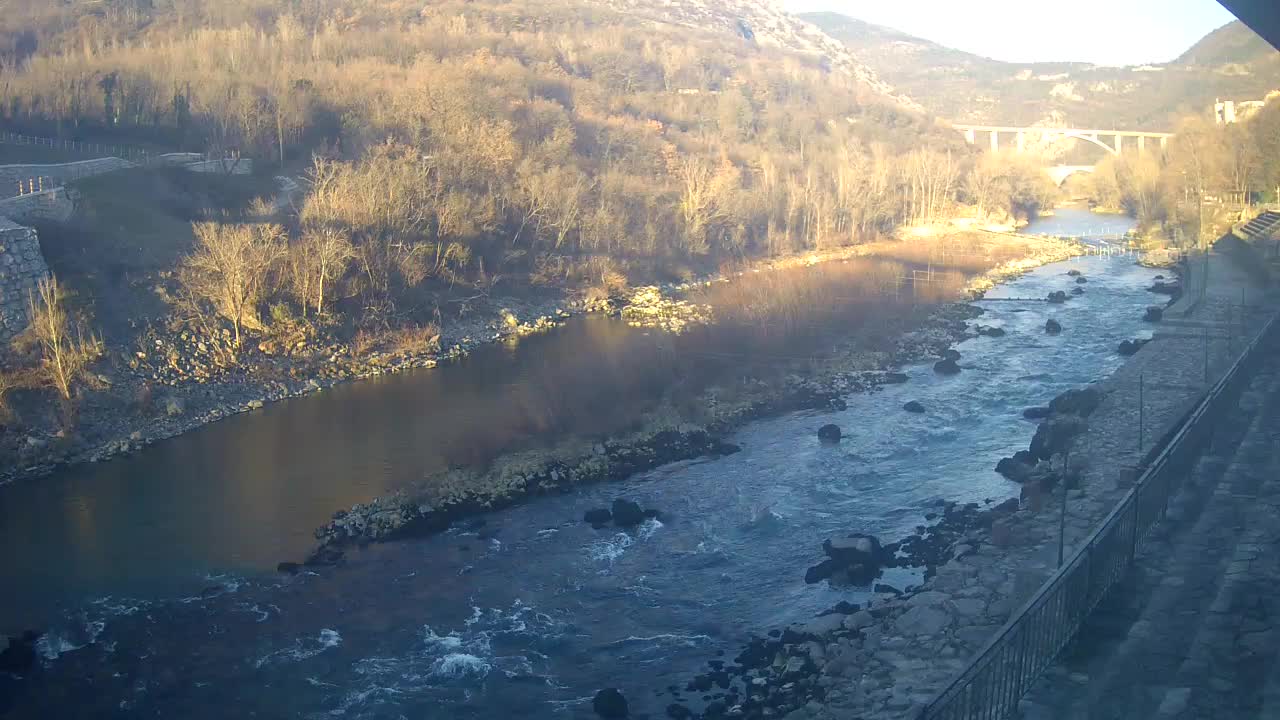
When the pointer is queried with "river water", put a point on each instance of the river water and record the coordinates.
(157, 609)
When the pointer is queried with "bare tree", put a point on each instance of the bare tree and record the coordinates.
(231, 267)
(63, 340)
(319, 259)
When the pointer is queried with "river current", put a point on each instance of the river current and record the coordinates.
(526, 612)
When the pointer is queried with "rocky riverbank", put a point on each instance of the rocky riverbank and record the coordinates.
(430, 505)
(172, 381)
(893, 656)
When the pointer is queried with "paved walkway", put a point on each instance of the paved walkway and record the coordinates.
(1193, 633)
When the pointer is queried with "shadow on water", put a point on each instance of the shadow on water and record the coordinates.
(245, 493)
(525, 614)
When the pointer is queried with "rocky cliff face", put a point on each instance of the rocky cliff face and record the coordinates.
(766, 23)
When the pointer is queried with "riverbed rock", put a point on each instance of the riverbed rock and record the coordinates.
(1053, 327)
(1056, 435)
(1036, 413)
(1081, 280)
(627, 513)
(19, 654)
(821, 571)
(609, 703)
(1014, 470)
(946, 366)
(923, 620)
(894, 378)
(951, 354)
(987, 331)
(1154, 314)
(597, 518)
(829, 433)
(1074, 273)
(1057, 297)
(288, 568)
(1077, 291)
(1081, 401)
(913, 407)
(1129, 348)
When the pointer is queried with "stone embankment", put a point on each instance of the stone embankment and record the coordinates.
(889, 659)
(22, 266)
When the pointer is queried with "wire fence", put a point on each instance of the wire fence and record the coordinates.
(134, 154)
(990, 687)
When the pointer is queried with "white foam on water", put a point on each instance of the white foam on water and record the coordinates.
(611, 549)
(685, 640)
(54, 643)
(302, 649)
(544, 534)
(568, 705)
(459, 665)
(649, 527)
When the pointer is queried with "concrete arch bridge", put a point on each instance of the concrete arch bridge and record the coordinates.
(1113, 141)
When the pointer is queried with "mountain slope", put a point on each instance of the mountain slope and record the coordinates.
(764, 22)
(1231, 63)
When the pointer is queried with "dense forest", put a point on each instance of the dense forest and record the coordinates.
(529, 135)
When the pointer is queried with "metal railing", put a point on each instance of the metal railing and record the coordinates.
(997, 677)
(135, 154)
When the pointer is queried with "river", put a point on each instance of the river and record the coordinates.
(152, 571)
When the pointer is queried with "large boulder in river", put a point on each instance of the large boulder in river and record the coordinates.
(951, 354)
(19, 655)
(1077, 291)
(987, 331)
(1053, 327)
(852, 560)
(1014, 470)
(1080, 402)
(609, 703)
(627, 513)
(597, 518)
(829, 433)
(1074, 273)
(1129, 348)
(1036, 413)
(1057, 297)
(1154, 314)
(893, 378)
(913, 406)
(946, 366)
(1081, 280)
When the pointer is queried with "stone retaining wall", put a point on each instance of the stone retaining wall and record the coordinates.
(55, 205)
(22, 266)
(55, 175)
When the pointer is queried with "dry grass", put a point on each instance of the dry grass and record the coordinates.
(406, 340)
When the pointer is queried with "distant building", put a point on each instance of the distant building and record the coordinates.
(1226, 112)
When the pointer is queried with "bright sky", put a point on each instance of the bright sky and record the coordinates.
(1105, 32)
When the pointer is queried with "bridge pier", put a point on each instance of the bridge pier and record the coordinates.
(970, 136)
(1022, 141)
(1119, 144)
(995, 141)
(1142, 143)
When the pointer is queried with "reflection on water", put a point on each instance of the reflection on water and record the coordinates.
(244, 494)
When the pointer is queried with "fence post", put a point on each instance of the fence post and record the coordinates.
(1062, 522)
(1206, 356)
(1142, 409)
